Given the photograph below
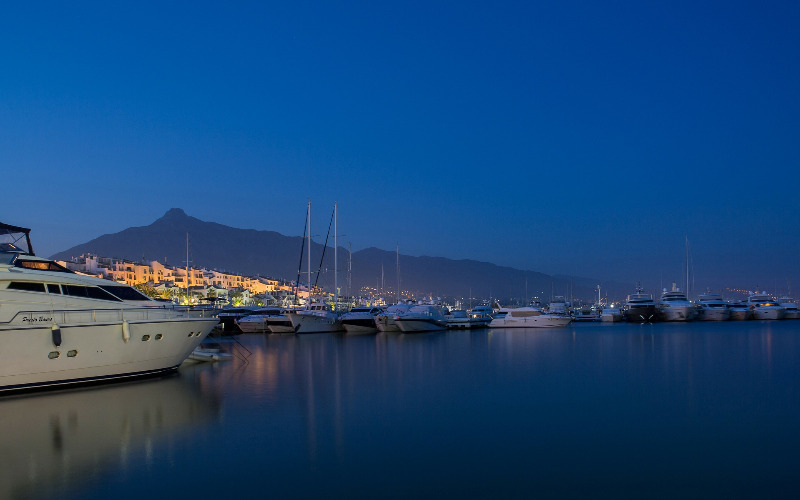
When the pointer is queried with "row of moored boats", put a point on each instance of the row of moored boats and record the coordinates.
(674, 305)
(403, 317)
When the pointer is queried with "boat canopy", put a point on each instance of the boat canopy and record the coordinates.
(15, 239)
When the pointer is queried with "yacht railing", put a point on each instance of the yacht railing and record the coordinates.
(71, 316)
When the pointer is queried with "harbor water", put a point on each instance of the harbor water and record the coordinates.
(593, 410)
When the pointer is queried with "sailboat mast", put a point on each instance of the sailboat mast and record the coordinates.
(335, 256)
(309, 254)
(687, 266)
(187, 267)
(398, 273)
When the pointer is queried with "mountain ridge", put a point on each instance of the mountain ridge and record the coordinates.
(266, 253)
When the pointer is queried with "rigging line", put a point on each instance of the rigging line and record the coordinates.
(324, 248)
(300, 265)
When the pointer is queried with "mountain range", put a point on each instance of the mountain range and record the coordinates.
(252, 252)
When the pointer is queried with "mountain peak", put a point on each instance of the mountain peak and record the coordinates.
(175, 212)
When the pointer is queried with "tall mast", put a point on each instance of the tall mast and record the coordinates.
(687, 266)
(398, 273)
(335, 257)
(187, 267)
(308, 214)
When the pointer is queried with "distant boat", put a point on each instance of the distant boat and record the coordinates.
(258, 321)
(422, 318)
(739, 311)
(317, 318)
(789, 306)
(763, 306)
(528, 317)
(611, 314)
(360, 320)
(711, 307)
(480, 316)
(385, 322)
(675, 306)
(640, 307)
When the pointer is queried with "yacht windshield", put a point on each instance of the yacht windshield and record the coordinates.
(14, 239)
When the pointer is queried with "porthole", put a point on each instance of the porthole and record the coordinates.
(159, 336)
(54, 354)
(72, 353)
(190, 334)
(145, 338)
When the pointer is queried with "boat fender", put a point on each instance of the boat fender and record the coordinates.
(55, 332)
(126, 331)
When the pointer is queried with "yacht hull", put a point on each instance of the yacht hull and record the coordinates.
(312, 323)
(31, 357)
(541, 321)
(762, 313)
(641, 314)
(676, 313)
(713, 314)
(420, 325)
(386, 324)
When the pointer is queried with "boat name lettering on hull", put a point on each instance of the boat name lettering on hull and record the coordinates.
(34, 319)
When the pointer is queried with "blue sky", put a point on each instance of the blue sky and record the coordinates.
(569, 137)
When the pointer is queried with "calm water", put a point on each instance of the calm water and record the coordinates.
(692, 410)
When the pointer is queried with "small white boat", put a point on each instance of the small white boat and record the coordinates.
(207, 354)
(458, 320)
(528, 317)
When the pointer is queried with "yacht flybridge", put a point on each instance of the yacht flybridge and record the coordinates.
(58, 327)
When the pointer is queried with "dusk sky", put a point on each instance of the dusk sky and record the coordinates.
(568, 137)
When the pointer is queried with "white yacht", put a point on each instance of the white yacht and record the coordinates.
(739, 311)
(58, 327)
(711, 307)
(674, 306)
(360, 320)
(317, 318)
(384, 321)
(790, 310)
(280, 323)
(458, 320)
(258, 322)
(559, 306)
(421, 318)
(528, 317)
(763, 306)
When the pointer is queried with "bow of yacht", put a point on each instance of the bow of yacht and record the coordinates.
(58, 327)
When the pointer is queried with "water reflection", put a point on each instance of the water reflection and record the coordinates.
(56, 443)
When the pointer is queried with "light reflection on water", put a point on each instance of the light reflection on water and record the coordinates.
(597, 410)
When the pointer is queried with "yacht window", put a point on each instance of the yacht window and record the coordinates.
(74, 290)
(98, 293)
(41, 265)
(28, 286)
(53, 288)
(125, 292)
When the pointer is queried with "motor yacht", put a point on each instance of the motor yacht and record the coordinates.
(640, 307)
(528, 317)
(739, 311)
(763, 306)
(258, 322)
(360, 320)
(384, 321)
(480, 316)
(317, 318)
(59, 328)
(789, 305)
(711, 307)
(422, 318)
(674, 306)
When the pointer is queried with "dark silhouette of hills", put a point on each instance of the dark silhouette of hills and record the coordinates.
(267, 253)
